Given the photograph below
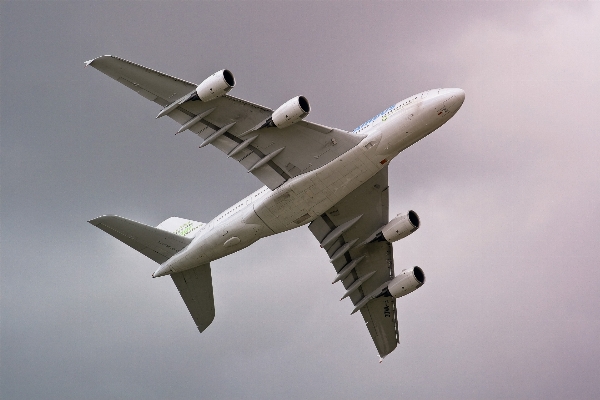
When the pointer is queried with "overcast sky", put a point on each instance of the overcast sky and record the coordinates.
(508, 193)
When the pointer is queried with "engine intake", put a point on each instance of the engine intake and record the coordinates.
(401, 226)
(216, 85)
(408, 281)
(290, 112)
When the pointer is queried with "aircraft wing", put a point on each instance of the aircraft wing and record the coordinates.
(341, 231)
(273, 155)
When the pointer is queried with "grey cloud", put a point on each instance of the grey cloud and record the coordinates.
(508, 193)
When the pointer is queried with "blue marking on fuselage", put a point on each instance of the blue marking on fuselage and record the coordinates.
(391, 108)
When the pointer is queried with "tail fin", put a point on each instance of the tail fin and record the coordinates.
(194, 285)
(158, 244)
(195, 288)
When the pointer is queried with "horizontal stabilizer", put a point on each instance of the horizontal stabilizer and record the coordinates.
(195, 287)
(156, 244)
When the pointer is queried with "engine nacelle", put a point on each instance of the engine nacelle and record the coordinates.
(216, 85)
(408, 281)
(290, 112)
(401, 226)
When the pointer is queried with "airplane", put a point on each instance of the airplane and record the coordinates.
(333, 180)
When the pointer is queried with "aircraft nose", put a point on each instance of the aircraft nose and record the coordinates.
(455, 98)
(459, 93)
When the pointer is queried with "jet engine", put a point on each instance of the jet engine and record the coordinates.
(287, 114)
(290, 112)
(401, 226)
(408, 281)
(216, 85)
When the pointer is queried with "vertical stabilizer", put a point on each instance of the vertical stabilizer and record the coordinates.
(195, 287)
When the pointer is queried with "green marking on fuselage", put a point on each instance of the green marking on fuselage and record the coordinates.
(186, 228)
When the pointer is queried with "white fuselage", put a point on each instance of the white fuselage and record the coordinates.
(303, 198)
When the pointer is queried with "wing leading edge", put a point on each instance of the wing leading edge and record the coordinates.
(363, 267)
(273, 155)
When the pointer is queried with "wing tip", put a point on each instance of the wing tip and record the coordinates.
(89, 62)
(96, 221)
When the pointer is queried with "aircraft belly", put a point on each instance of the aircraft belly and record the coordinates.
(306, 197)
(233, 236)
